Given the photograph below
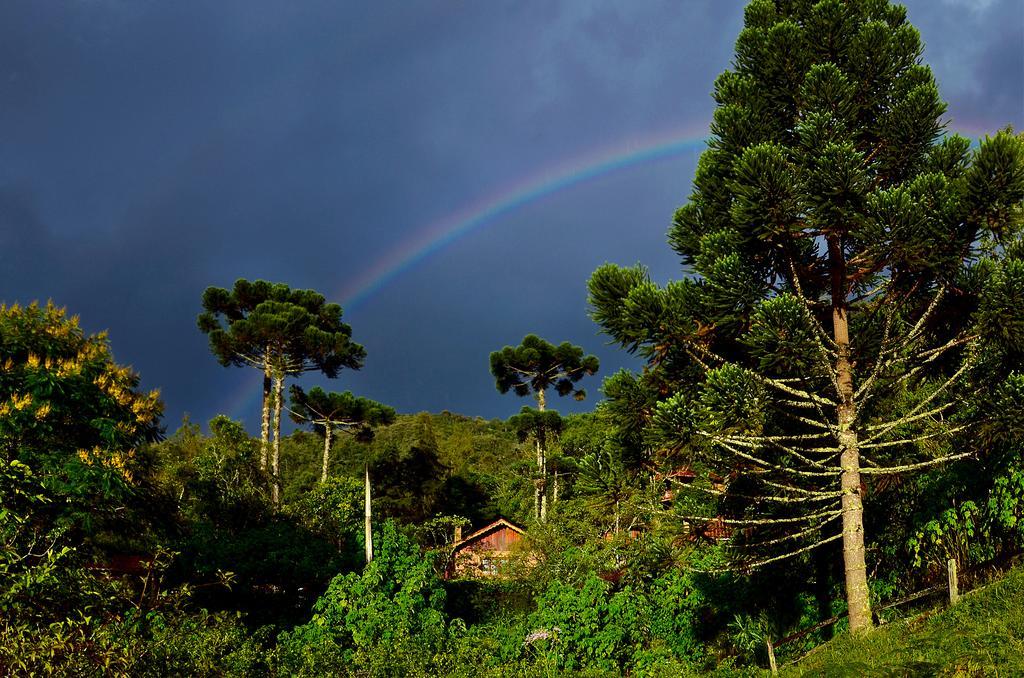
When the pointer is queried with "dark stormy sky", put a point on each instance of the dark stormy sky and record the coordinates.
(149, 149)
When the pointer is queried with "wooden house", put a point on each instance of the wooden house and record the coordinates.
(484, 553)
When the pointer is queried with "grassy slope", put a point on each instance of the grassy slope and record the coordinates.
(982, 635)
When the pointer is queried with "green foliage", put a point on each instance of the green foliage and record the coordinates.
(536, 365)
(341, 411)
(951, 535)
(152, 644)
(333, 510)
(1005, 507)
(276, 557)
(408, 480)
(217, 477)
(593, 627)
(606, 485)
(33, 555)
(271, 325)
(542, 424)
(396, 602)
(76, 419)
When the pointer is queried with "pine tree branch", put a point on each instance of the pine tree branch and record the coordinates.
(797, 393)
(866, 386)
(790, 537)
(755, 498)
(918, 328)
(912, 415)
(889, 470)
(799, 404)
(782, 469)
(828, 428)
(742, 442)
(931, 354)
(927, 356)
(755, 522)
(801, 490)
(917, 439)
(884, 429)
(798, 288)
(746, 567)
(797, 437)
(781, 385)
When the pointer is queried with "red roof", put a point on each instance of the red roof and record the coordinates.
(681, 472)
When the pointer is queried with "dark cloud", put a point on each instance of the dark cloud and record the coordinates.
(150, 149)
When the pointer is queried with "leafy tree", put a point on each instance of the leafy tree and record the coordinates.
(409, 476)
(533, 367)
(215, 477)
(332, 509)
(330, 412)
(32, 550)
(363, 618)
(77, 421)
(846, 266)
(282, 332)
(542, 426)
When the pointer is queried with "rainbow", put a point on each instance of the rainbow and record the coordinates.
(489, 208)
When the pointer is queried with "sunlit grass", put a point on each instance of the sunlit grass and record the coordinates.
(982, 635)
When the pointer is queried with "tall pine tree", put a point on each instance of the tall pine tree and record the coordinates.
(282, 332)
(533, 367)
(837, 247)
(331, 412)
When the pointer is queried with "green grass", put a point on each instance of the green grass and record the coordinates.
(982, 635)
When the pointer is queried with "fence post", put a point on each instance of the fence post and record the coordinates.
(771, 655)
(954, 587)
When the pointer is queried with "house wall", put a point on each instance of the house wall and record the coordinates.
(498, 540)
(484, 556)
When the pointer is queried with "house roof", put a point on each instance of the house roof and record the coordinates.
(500, 522)
(680, 472)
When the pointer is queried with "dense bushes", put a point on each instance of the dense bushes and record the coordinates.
(392, 610)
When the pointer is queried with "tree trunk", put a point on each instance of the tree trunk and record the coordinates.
(544, 491)
(328, 430)
(368, 513)
(275, 469)
(265, 428)
(857, 595)
(541, 499)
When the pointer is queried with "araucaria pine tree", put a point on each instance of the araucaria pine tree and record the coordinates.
(533, 367)
(282, 332)
(342, 412)
(843, 259)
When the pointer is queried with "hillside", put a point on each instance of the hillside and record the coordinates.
(982, 635)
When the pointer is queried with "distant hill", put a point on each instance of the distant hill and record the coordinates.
(426, 464)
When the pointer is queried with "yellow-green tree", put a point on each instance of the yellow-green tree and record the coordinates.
(73, 418)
